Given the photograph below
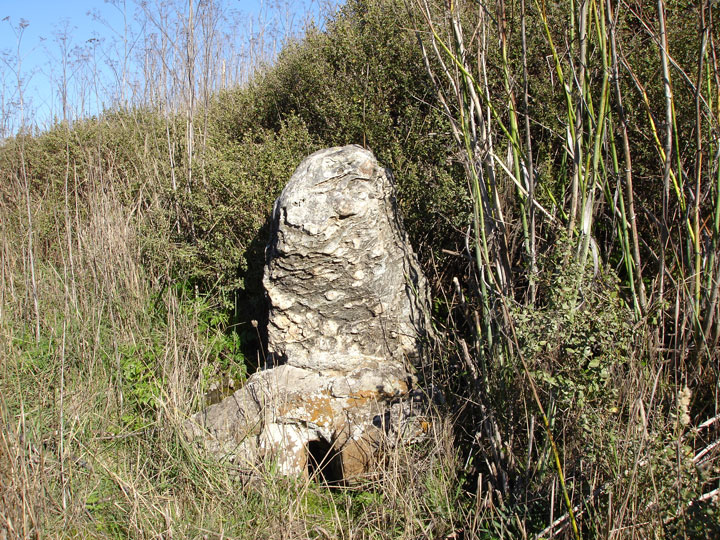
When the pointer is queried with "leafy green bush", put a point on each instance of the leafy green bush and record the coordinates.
(578, 336)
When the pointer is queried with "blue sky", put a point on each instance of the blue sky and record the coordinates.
(89, 24)
(44, 20)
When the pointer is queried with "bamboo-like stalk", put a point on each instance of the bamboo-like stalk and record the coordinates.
(492, 261)
(599, 124)
(667, 146)
(713, 274)
(529, 163)
(639, 294)
(515, 142)
(698, 169)
(578, 174)
(622, 225)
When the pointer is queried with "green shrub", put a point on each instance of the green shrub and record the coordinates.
(578, 335)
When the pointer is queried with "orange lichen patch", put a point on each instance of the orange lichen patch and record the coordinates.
(323, 409)
(358, 399)
(361, 397)
(316, 409)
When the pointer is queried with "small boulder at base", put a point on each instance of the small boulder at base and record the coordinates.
(348, 318)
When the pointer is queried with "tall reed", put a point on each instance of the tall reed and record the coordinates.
(576, 172)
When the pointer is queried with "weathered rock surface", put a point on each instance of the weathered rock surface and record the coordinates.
(348, 315)
(343, 284)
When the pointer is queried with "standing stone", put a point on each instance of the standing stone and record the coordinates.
(348, 318)
(345, 289)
